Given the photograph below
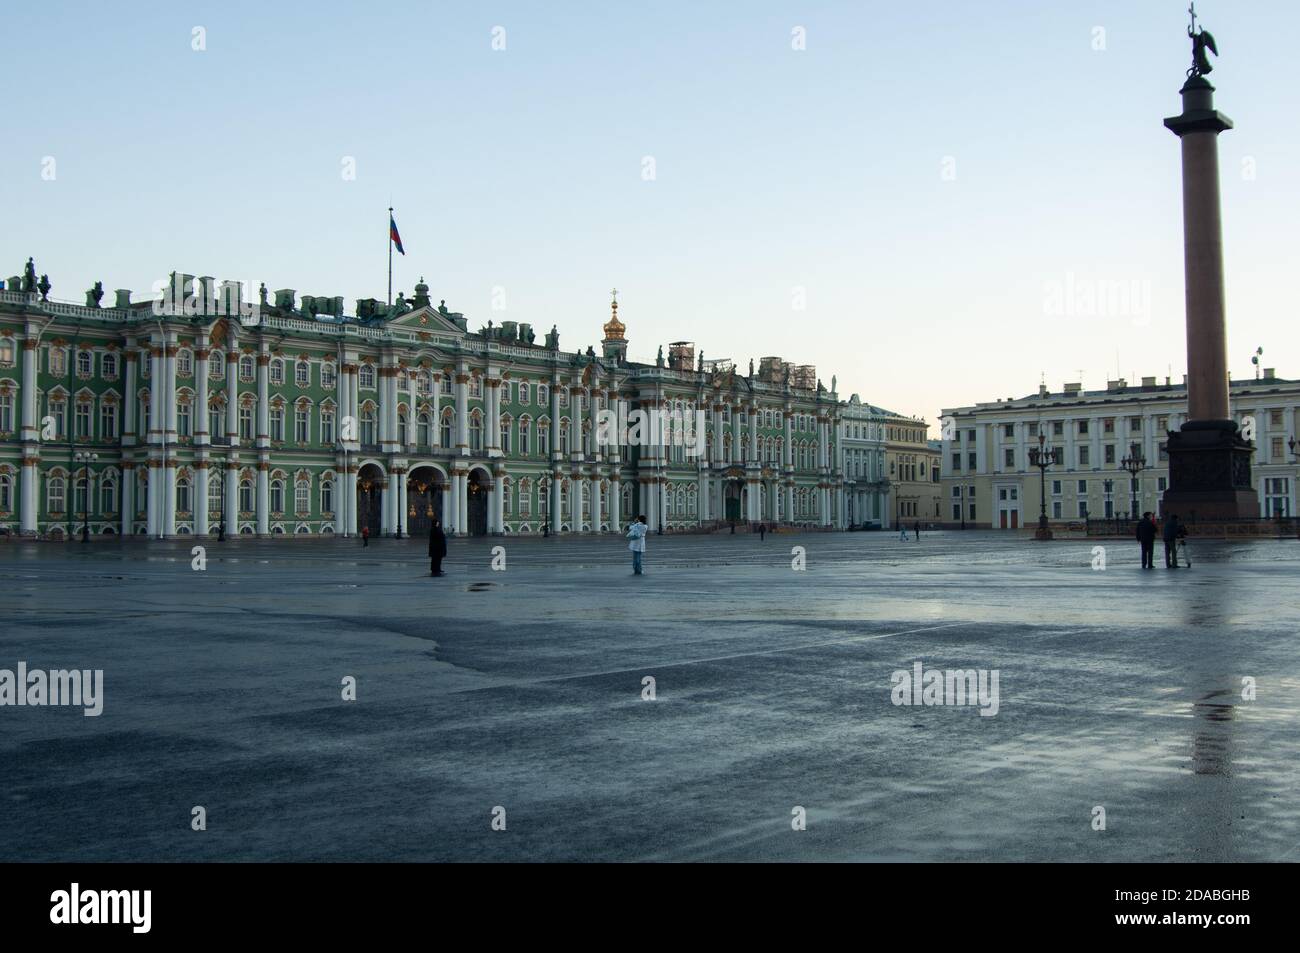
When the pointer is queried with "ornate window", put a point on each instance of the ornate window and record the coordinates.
(6, 352)
(54, 495)
(215, 503)
(277, 371)
(6, 411)
(245, 495)
(277, 496)
(475, 432)
(543, 395)
(368, 424)
(327, 426)
(328, 378)
(277, 423)
(108, 494)
(301, 423)
(58, 361)
(302, 497)
(302, 373)
(183, 495)
(523, 392)
(424, 429)
(366, 376)
(184, 363)
(246, 368)
(445, 436)
(475, 386)
(246, 422)
(216, 366)
(327, 496)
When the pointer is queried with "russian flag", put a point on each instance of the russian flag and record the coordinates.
(395, 238)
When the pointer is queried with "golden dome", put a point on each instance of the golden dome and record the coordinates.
(614, 328)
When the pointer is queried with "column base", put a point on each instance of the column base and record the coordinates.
(1209, 473)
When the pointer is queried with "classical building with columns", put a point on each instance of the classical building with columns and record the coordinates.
(988, 479)
(202, 411)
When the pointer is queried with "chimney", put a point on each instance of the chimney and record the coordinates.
(1148, 382)
(1042, 390)
(1270, 373)
(1073, 389)
(123, 299)
(1113, 386)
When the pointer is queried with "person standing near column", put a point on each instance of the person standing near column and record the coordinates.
(437, 548)
(1146, 537)
(636, 533)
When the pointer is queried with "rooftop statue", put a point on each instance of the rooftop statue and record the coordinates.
(553, 339)
(701, 367)
(1202, 40)
(29, 277)
(262, 292)
(44, 287)
(659, 360)
(94, 295)
(751, 367)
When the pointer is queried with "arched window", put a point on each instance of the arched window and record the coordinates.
(475, 386)
(245, 495)
(246, 367)
(424, 430)
(55, 499)
(525, 498)
(277, 372)
(216, 366)
(523, 392)
(564, 436)
(108, 365)
(328, 376)
(85, 363)
(327, 497)
(524, 425)
(277, 496)
(475, 432)
(6, 493)
(302, 373)
(368, 424)
(543, 395)
(366, 376)
(215, 504)
(544, 437)
(505, 433)
(403, 429)
(184, 363)
(302, 423)
(183, 494)
(302, 497)
(277, 423)
(446, 430)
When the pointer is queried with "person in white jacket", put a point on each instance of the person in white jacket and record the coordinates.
(636, 533)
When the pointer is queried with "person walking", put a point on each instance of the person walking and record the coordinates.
(365, 535)
(1146, 537)
(916, 529)
(902, 532)
(762, 532)
(437, 549)
(1174, 531)
(636, 533)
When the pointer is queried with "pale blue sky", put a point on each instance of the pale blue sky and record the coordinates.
(776, 169)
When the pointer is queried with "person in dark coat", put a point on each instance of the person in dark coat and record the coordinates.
(1146, 537)
(437, 549)
(916, 528)
(762, 532)
(365, 535)
(1174, 530)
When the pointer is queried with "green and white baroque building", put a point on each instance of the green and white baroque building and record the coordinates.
(303, 421)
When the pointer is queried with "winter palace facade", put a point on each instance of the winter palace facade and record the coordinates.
(199, 411)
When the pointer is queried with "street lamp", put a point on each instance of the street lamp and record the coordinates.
(85, 458)
(1110, 509)
(1134, 463)
(1042, 457)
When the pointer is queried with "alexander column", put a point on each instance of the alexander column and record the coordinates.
(1209, 463)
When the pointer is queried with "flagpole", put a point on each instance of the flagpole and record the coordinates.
(390, 256)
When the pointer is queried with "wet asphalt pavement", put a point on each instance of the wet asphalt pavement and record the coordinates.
(523, 689)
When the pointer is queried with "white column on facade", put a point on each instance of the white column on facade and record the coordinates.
(199, 412)
(169, 391)
(462, 504)
(753, 434)
(554, 509)
(200, 493)
(385, 398)
(157, 423)
(403, 503)
(462, 409)
(263, 498)
(615, 503)
(130, 428)
(232, 395)
(153, 512)
(232, 497)
(30, 430)
(263, 431)
(350, 488)
(595, 502)
(128, 499)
